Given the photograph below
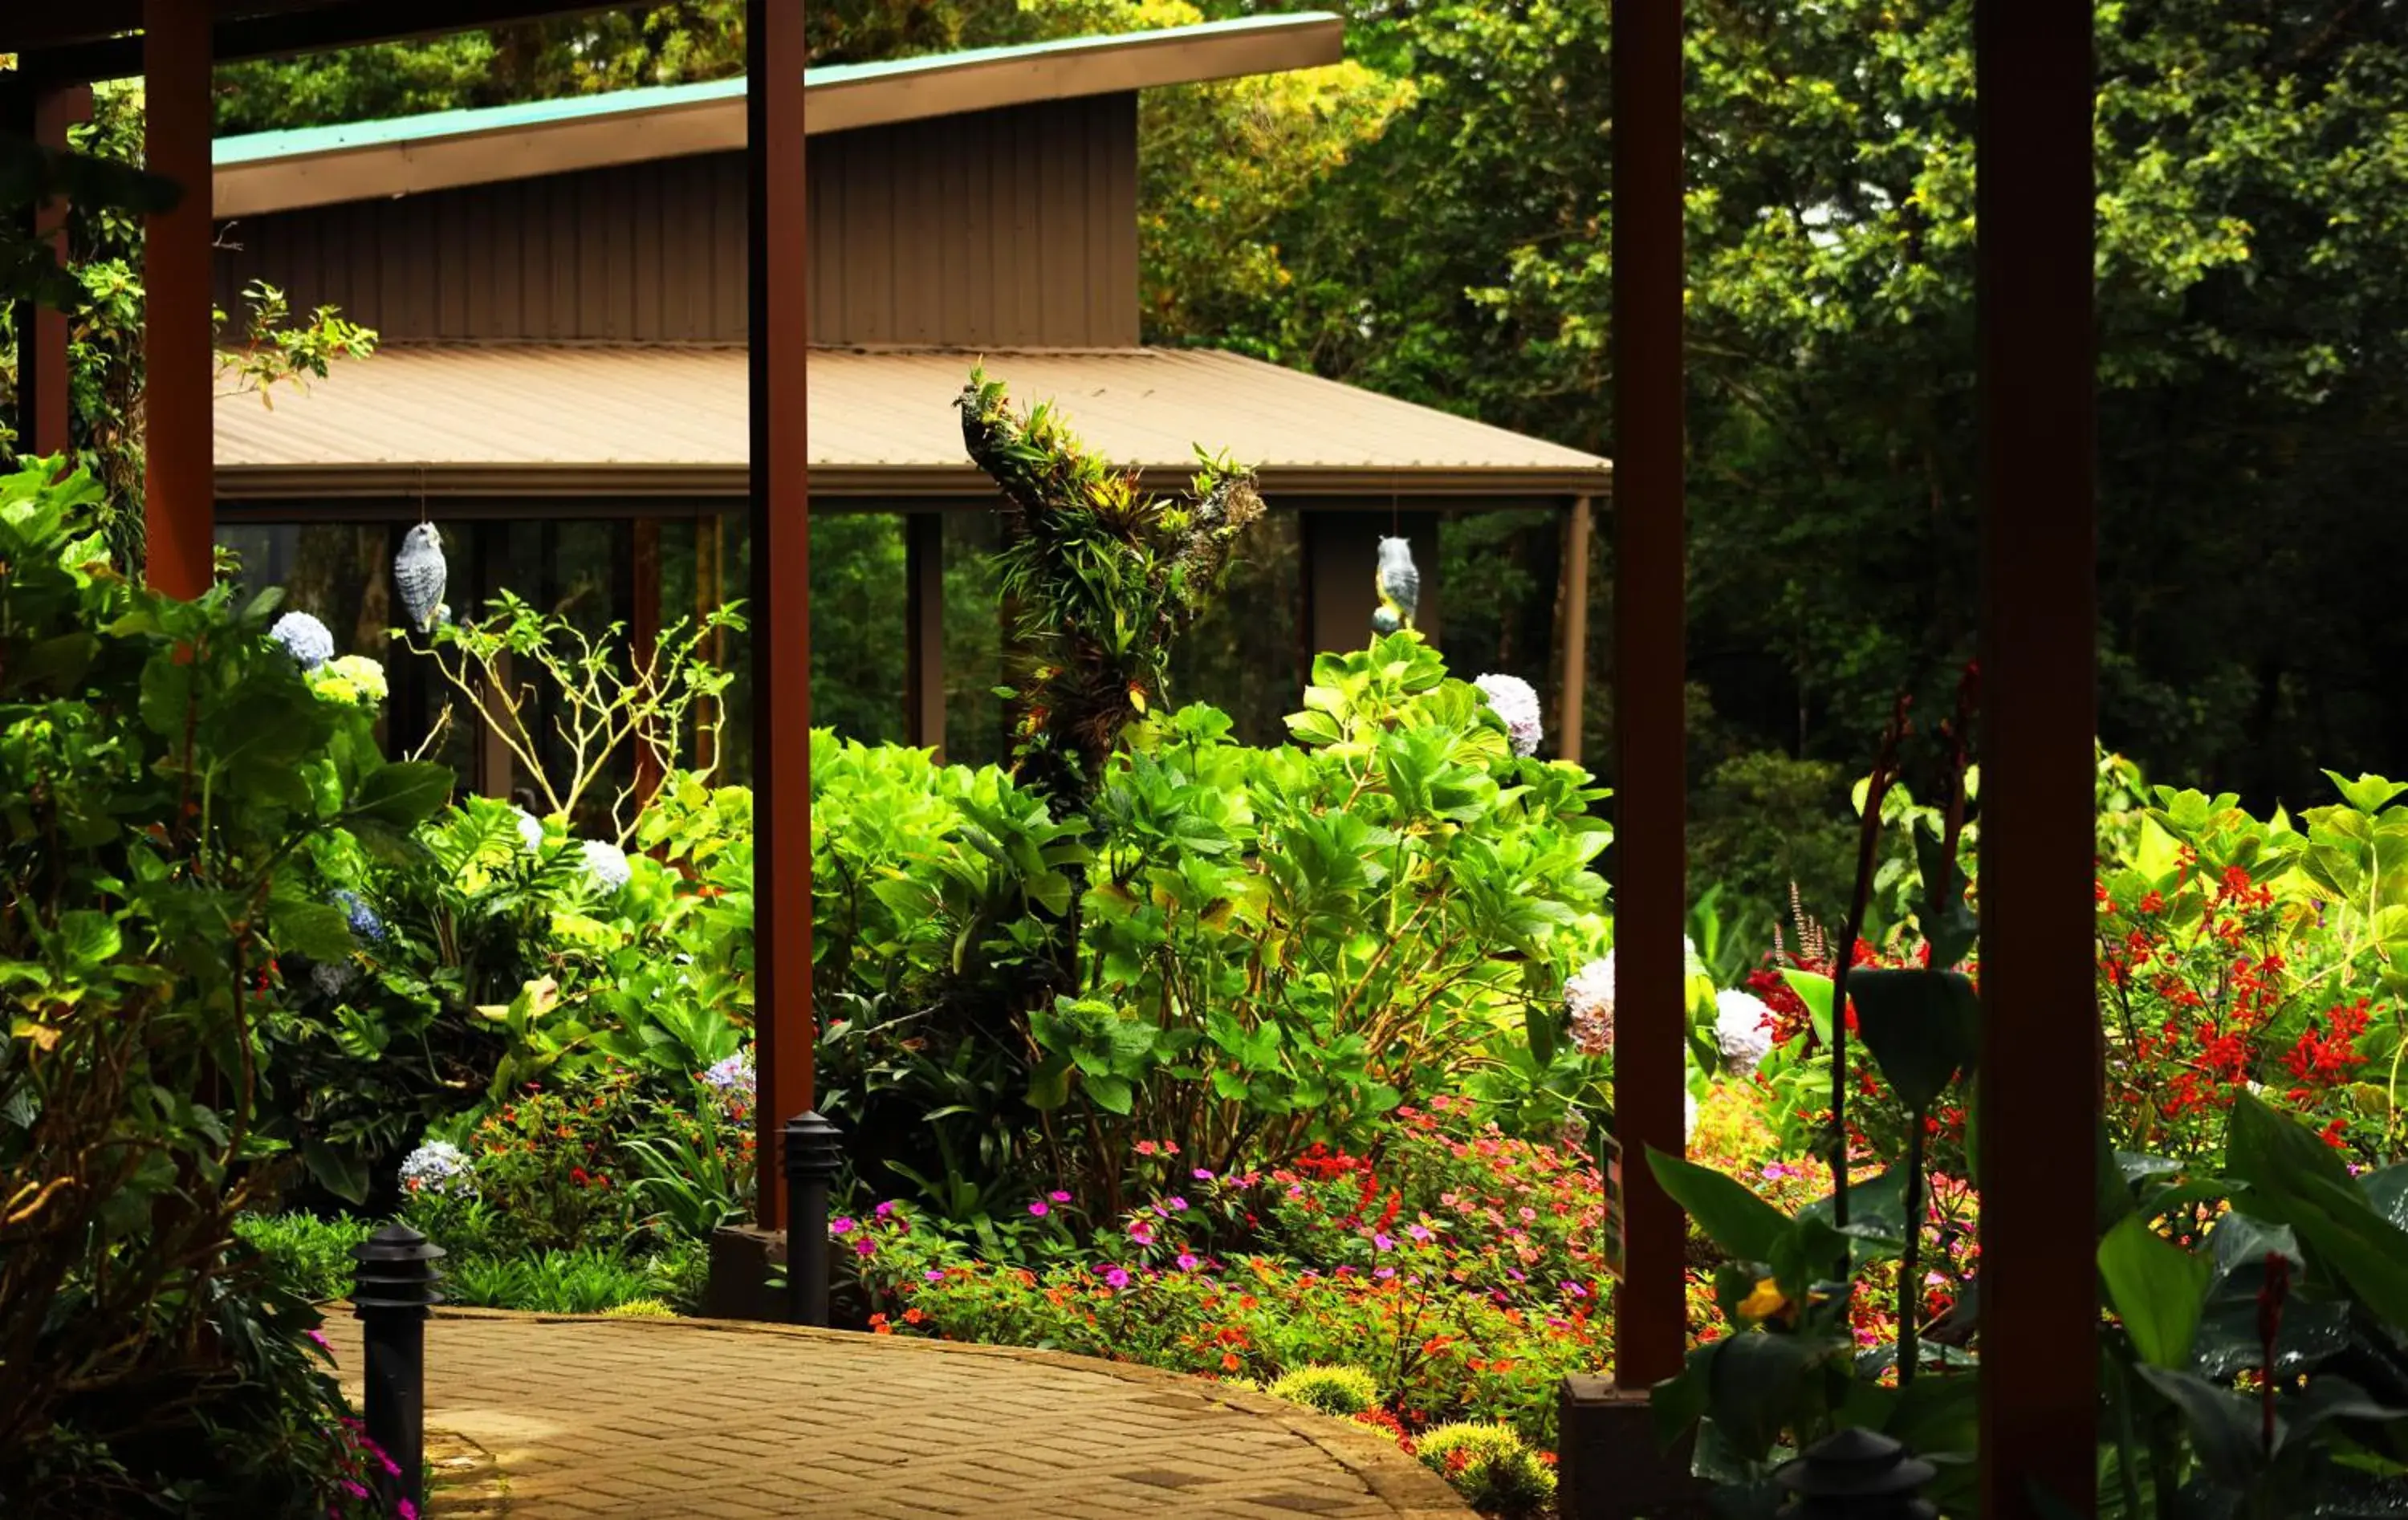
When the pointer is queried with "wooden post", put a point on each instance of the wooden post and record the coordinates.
(924, 632)
(778, 333)
(44, 113)
(180, 369)
(1651, 878)
(644, 639)
(2039, 1079)
(1575, 629)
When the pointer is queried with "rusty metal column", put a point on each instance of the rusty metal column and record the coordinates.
(2039, 1083)
(1651, 887)
(779, 333)
(180, 371)
(43, 392)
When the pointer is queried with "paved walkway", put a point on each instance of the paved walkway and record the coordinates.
(573, 1417)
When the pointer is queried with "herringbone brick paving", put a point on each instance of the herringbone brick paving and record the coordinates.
(593, 1417)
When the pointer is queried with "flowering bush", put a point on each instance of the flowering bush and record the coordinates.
(1490, 1464)
(547, 1168)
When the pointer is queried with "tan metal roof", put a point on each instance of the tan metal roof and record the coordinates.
(276, 171)
(657, 419)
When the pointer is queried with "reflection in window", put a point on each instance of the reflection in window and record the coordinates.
(974, 641)
(1244, 654)
(1501, 570)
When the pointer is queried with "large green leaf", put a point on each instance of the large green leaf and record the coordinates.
(2224, 1427)
(2156, 1287)
(1732, 1217)
(1923, 1027)
(405, 793)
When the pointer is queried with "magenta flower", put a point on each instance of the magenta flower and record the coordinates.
(1141, 1232)
(1419, 1232)
(842, 1225)
(864, 1246)
(1178, 1205)
(1381, 1242)
(406, 1509)
(355, 1490)
(1385, 1271)
(392, 1467)
(933, 1275)
(319, 1337)
(1187, 1261)
(1058, 1196)
(1118, 1277)
(1037, 1207)
(886, 1208)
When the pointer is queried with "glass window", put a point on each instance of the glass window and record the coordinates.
(974, 641)
(1245, 652)
(1499, 570)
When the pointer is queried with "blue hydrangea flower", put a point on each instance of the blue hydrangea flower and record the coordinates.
(363, 918)
(732, 1078)
(606, 866)
(304, 638)
(440, 1168)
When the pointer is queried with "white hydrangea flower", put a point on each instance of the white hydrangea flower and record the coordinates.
(1688, 1116)
(304, 638)
(606, 866)
(333, 977)
(438, 1167)
(1512, 700)
(530, 830)
(1588, 998)
(1743, 1027)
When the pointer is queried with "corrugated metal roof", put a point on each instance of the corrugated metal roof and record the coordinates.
(553, 420)
(270, 171)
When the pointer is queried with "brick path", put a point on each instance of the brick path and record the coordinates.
(590, 1417)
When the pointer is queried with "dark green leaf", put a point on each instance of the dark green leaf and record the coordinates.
(2156, 1287)
(1923, 1026)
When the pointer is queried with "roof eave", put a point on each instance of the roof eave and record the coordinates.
(900, 482)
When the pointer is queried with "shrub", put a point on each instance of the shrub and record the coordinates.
(587, 1281)
(162, 764)
(1489, 1464)
(1332, 1390)
(311, 1256)
(639, 1308)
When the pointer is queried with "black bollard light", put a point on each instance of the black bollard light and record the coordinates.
(1857, 1474)
(393, 1293)
(814, 1154)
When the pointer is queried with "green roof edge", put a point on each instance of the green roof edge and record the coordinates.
(251, 148)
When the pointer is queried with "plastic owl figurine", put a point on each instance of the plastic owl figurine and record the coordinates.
(1399, 585)
(418, 574)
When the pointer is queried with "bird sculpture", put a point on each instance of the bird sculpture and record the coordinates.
(418, 574)
(1399, 585)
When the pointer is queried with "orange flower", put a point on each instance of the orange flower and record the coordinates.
(914, 1316)
(1229, 1362)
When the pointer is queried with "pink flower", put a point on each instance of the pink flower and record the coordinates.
(1058, 1196)
(1419, 1232)
(1381, 1242)
(886, 1208)
(1187, 1261)
(1145, 1147)
(1203, 1174)
(1385, 1271)
(864, 1246)
(842, 1225)
(1118, 1277)
(355, 1490)
(406, 1509)
(1037, 1207)
(1141, 1232)
(1178, 1205)
(933, 1275)
(319, 1336)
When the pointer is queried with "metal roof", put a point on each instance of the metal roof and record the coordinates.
(665, 420)
(274, 171)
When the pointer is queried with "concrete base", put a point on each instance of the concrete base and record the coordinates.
(1608, 1466)
(739, 1287)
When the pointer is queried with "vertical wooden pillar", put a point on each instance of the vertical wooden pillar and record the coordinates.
(179, 370)
(924, 632)
(2039, 1081)
(44, 113)
(1650, 881)
(644, 635)
(1574, 591)
(778, 332)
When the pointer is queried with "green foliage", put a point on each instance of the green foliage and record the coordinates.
(1102, 577)
(164, 770)
(311, 1256)
(1497, 1473)
(587, 1281)
(568, 703)
(1332, 1390)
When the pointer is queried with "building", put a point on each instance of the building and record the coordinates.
(560, 289)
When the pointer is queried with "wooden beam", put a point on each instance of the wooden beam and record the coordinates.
(1575, 629)
(780, 333)
(44, 405)
(2039, 1077)
(1651, 878)
(923, 634)
(180, 366)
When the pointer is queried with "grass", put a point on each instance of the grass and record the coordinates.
(314, 1258)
